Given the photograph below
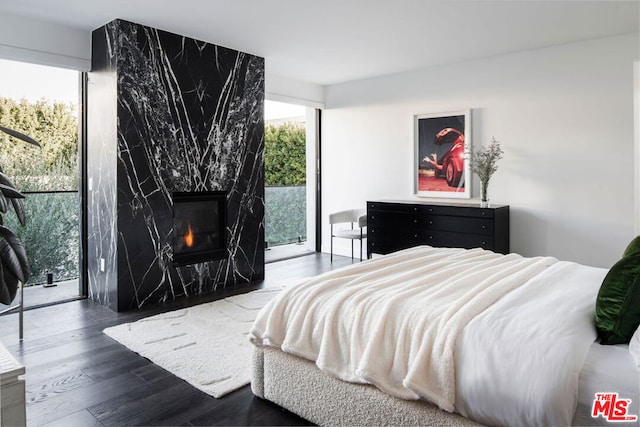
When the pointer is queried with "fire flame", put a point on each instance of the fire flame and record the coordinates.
(188, 238)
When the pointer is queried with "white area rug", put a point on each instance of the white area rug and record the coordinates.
(206, 345)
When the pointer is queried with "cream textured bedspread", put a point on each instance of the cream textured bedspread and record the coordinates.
(394, 321)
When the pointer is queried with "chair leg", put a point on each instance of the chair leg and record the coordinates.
(352, 244)
(331, 242)
(361, 245)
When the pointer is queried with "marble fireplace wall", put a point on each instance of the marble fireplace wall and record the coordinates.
(169, 113)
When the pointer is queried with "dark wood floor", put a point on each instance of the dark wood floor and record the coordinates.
(77, 376)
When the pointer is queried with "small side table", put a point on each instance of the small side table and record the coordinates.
(12, 391)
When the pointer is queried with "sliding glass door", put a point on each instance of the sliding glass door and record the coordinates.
(290, 159)
(42, 102)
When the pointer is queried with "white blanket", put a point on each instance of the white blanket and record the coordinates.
(394, 321)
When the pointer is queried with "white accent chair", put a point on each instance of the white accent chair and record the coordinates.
(352, 217)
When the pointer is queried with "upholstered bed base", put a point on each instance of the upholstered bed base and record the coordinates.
(299, 386)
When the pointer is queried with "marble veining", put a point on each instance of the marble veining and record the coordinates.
(189, 117)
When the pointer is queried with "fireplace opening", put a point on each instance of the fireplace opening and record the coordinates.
(199, 226)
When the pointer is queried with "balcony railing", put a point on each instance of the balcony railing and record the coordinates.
(51, 234)
(285, 215)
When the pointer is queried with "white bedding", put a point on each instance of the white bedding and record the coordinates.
(608, 368)
(518, 362)
(412, 322)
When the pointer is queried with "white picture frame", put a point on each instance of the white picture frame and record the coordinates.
(441, 168)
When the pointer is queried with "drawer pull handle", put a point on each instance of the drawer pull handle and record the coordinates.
(430, 222)
(484, 227)
(415, 221)
(430, 237)
(484, 243)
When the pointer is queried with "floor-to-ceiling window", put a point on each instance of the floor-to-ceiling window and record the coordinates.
(42, 102)
(289, 178)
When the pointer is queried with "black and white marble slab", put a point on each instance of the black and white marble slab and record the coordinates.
(169, 113)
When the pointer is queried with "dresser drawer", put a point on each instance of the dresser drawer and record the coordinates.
(394, 207)
(391, 218)
(395, 235)
(386, 247)
(382, 239)
(407, 239)
(455, 211)
(458, 224)
(457, 240)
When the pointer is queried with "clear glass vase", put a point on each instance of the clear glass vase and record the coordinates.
(484, 195)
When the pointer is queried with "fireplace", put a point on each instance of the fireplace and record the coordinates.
(199, 226)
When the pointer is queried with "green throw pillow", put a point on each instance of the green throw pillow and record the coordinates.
(633, 248)
(618, 302)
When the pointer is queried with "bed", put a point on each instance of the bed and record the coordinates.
(441, 336)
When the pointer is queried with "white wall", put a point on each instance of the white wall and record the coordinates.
(564, 118)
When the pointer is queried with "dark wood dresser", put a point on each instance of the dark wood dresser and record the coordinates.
(395, 225)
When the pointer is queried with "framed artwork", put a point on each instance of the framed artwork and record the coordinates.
(440, 167)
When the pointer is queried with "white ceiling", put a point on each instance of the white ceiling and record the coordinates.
(332, 41)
